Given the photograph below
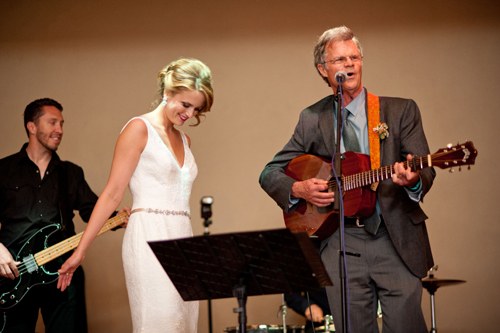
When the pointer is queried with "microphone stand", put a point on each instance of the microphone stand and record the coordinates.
(206, 213)
(338, 207)
(206, 223)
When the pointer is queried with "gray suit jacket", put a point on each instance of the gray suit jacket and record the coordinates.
(404, 218)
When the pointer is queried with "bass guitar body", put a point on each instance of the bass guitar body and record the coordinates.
(30, 275)
(37, 265)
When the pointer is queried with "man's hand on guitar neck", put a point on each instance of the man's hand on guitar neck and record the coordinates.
(128, 210)
(405, 177)
(8, 267)
(311, 190)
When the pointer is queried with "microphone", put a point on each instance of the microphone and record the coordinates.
(340, 77)
(206, 207)
(206, 212)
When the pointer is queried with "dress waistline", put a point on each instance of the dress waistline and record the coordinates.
(162, 211)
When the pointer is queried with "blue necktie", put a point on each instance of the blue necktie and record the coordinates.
(349, 135)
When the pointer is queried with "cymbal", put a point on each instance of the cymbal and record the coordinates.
(431, 284)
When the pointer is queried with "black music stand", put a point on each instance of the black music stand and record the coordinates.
(242, 264)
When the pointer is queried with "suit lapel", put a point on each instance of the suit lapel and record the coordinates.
(326, 126)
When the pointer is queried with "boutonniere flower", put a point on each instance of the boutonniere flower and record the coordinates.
(382, 130)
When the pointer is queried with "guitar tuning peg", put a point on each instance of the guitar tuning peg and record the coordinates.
(451, 170)
(459, 168)
(449, 145)
(468, 168)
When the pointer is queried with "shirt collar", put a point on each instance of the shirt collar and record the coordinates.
(23, 157)
(357, 104)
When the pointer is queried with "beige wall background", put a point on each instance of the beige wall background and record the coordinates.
(100, 60)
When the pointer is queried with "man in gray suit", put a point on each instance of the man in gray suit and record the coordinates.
(393, 243)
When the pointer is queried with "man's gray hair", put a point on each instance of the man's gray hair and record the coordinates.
(341, 33)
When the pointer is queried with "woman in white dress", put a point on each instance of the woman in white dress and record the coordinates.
(154, 159)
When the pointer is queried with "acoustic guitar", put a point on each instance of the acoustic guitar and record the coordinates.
(358, 184)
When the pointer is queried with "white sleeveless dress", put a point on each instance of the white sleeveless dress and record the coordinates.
(160, 183)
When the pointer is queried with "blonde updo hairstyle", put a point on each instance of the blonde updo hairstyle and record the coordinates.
(187, 74)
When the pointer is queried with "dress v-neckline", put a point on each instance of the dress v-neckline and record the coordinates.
(170, 151)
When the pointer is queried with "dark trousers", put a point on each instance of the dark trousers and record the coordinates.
(61, 311)
(378, 274)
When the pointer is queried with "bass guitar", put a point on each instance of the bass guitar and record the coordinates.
(33, 270)
(358, 184)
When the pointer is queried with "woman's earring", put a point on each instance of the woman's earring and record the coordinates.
(164, 101)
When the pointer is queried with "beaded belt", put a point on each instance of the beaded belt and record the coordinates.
(160, 211)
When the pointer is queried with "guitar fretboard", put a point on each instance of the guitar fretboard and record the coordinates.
(71, 243)
(372, 176)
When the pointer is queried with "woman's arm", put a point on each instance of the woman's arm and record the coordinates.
(129, 147)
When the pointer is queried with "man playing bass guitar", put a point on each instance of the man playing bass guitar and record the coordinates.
(37, 189)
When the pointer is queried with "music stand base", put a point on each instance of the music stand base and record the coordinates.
(239, 291)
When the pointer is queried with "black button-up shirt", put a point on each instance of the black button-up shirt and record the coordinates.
(28, 203)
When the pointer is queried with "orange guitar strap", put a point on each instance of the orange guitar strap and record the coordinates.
(373, 121)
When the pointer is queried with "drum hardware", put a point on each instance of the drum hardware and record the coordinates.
(283, 309)
(328, 327)
(328, 322)
(267, 329)
(432, 284)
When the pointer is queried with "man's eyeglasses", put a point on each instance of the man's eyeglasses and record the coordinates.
(342, 60)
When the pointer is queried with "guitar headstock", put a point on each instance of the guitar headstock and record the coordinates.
(451, 156)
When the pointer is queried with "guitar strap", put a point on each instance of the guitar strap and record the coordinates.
(62, 178)
(373, 113)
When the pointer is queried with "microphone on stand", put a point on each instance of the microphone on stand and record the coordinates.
(341, 77)
(206, 212)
